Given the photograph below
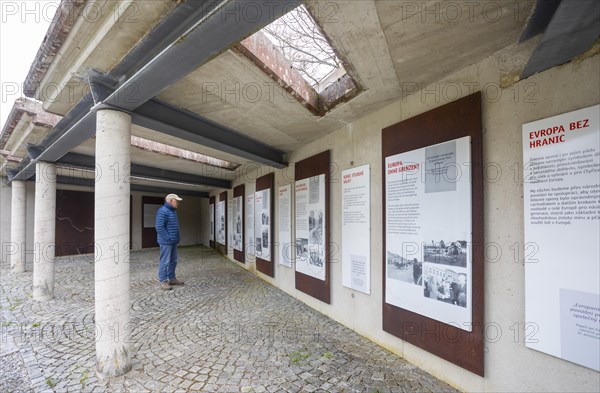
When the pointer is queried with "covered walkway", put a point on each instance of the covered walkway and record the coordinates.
(226, 330)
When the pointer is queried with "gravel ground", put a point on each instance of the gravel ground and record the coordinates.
(13, 377)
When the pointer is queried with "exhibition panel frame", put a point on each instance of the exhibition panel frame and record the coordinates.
(312, 230)
(211, 212)
(221, 223)
(264, 216)
(433, 254)
(239, 223)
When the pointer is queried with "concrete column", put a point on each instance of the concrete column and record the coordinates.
(17, 226)
(44, 230)
(111, 231)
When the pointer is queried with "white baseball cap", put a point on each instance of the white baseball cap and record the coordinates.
(173, 196)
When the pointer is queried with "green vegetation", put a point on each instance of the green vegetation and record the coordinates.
(50, 382)
(298, 356)
(84, 378)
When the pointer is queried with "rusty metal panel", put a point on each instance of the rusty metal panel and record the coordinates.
(455, 120)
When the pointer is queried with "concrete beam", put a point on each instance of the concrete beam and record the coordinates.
(152, 173)
(78, 181)
(182, 124)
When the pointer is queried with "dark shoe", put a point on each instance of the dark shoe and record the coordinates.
(175, 282)
(165, 286)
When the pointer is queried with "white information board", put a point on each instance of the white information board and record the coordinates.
(221, 222)
(428, 232)
(285, 225)
(238, 242)
(561, 157)
(229, 224)
(250, 223)
(262, 224)
(211, 209)
(356, 229)
(310, 226)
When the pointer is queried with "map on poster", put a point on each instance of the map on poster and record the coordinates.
(356, 229)
(428, 232)
(262, 224)
(285, 225)
(238, 243)
(211, 209)
(221, 222)
(311, 227)
(561, 193)
(250, 223)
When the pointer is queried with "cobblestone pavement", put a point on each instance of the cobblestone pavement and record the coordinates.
(224, 331)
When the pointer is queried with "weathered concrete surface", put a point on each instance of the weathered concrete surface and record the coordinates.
(44, 231)
(111, 240)
(224, 331)
(17, 226)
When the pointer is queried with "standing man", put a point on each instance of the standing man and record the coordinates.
(167, 229)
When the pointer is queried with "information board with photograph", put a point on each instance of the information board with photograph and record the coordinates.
(310, 226)
(221, 222)
(211, 209)
(428, 232)
(262, 224)
(250, 224)
(285, 225)
(238, 243)
(229, 223)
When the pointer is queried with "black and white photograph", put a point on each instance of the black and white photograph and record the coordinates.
(404, 269)
(302, 249)
(238, 223)
(315, 226)
(265, 237)
(237, 241)
(445, 285)
(258, 246)
(446, 252)
(315, 258)
(221, 232)
(265, 218)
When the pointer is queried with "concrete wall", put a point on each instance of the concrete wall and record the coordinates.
(509, 365)
(190, 219)
(204, 223)
(192, 213)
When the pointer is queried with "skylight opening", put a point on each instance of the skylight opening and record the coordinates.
(303, 44)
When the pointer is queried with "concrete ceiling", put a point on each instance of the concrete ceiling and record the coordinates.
(385, 44)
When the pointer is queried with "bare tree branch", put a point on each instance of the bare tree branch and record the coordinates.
(300, 40)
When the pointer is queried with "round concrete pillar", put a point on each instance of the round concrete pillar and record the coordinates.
(111, 232)
(44, 230)
(17, 226)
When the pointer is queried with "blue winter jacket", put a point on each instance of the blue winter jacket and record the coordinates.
(167, 225)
